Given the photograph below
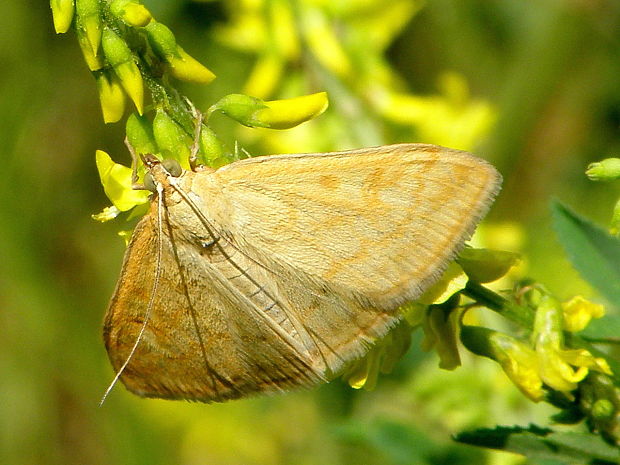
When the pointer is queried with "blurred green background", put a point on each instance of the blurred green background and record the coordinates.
(544, 73)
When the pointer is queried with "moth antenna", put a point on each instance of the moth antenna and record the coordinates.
(149, 307)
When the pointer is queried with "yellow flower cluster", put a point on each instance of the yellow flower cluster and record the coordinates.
(113, 63)
(544, 360)
(348, 41)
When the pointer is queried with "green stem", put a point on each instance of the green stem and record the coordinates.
(523, 316)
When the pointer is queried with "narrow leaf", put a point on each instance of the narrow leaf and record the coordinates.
(591, 250)
(543, 444)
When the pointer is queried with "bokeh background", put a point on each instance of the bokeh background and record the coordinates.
(530, 86)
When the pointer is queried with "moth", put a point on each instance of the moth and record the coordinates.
(276, 272)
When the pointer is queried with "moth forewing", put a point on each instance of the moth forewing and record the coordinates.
(382, 222)
(279, 271)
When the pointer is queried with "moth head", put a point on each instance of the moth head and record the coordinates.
(157, 171)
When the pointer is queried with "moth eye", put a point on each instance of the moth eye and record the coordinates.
(149, 183)
(172, 167)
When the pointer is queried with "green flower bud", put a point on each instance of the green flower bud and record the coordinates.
(275, 114)
(603, 409)
(90, 20)
(94, 62)
(212, 152)
(120, 58)
(62, 13)
(172, 141)
(131, 12)
(239, 107)
(111, 96)
(187, 68)
(604, 170)
(182, 65)
(139, 132)
(485, 265)
(161, 39)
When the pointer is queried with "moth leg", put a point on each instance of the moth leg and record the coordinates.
(198, 119)
(134, 167)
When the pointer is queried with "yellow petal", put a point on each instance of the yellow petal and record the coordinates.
(111, 97)
(116, 181)
(107, 214)
(288, 113)
(62, 14)
(185, 67)
(452, 281)
(578, 312)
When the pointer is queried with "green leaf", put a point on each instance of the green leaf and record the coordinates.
(591, 250)
(603, 329)
(544, 444)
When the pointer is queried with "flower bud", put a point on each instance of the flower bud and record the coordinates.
(131, 12)
(62, 14)
(90, 20)
(120, 58)
(187, 68)
(181, 64)
(276, 114)
(94, 62)
(485, 265)
(212, 152)
(604, 170)
(161, 39)
(111, 96)
(139, 132)
(172, 141)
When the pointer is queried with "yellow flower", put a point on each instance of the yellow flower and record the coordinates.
(380, 359)
(276, 114)
(440, 323)
(559, 368)
(452, 118)
(116, 181)
(545, 361)
(519, 362)
(441, 328)
(578, 312)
